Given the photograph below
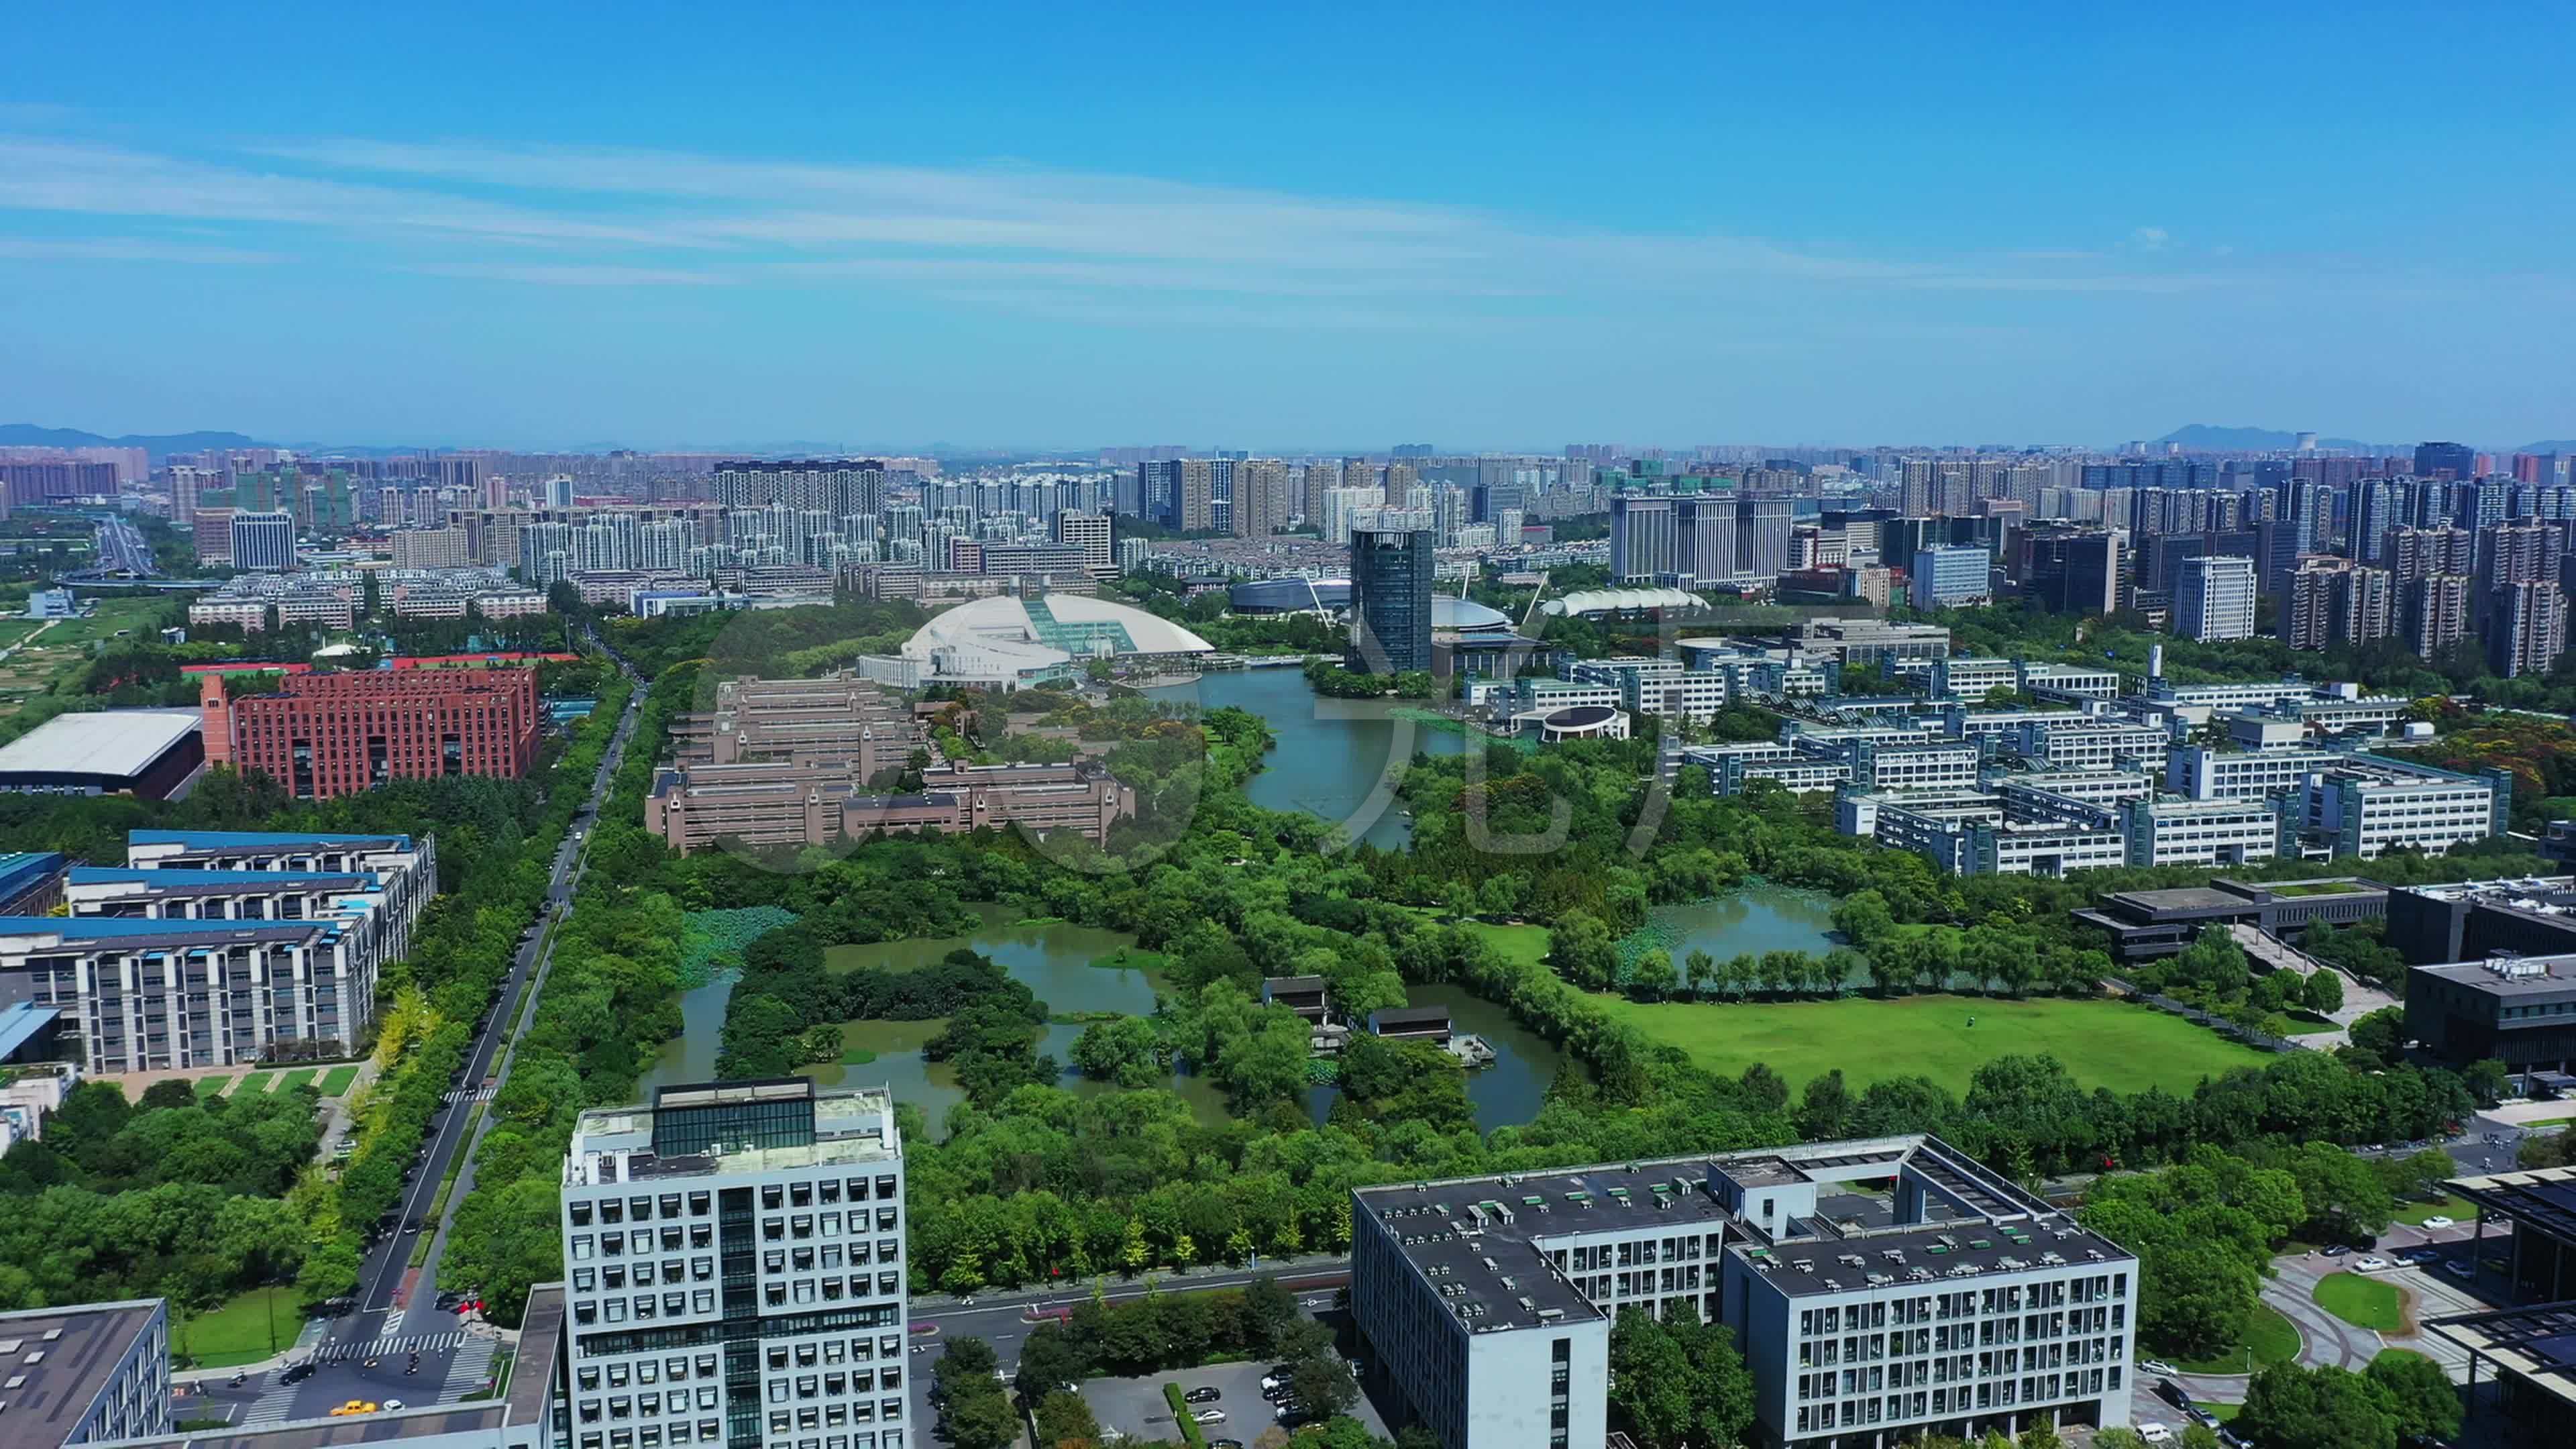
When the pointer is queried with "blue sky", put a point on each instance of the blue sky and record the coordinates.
(1288, 226)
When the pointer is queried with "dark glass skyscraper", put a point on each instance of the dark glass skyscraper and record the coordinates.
(1390, 600)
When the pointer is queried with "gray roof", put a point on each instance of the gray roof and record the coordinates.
(66, 1355)
(106, 742)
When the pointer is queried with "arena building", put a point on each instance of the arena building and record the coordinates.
(1010, 642)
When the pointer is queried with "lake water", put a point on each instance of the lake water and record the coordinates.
(1337, 759)
(1053, 957)
(1505, 1094)
(1757, 918)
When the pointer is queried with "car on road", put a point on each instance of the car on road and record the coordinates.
(2460, 1268)
(2158, 1366)
(2418, 1256)
(2372, 1264)
(1203, 1394)
(1208, 1416)
(2339, 1250)
(925, 1328)
(354, 1406)
(2439, 1221)
(2174, 1393)
(2154, 1433)
(392, 1404)
(297, 1373)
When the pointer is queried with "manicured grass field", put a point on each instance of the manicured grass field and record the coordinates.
(2110, 1044)
(239, 1331)
(2459, 1209)
(2273, 1338)
(256, 1083)
(335, 1082)
(213, 1086)
(300, 1077)
(1516, 943)
(2362, 1302)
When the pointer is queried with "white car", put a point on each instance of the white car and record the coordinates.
(2439, 1221)
(392, 1404)
(2373, 1264)
(2156, 1433)
(1209, 1416)
(2158, 1366)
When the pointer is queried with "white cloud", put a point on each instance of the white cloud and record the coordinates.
(1081, 243)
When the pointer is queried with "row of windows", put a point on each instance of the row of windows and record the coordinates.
(642, 1207)
(711, 1431)
(1939, 1403)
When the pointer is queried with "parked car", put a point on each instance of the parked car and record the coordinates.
(2338, 1250)
(2158, 1366)
(2372, 1264)
(2437, 1220)
(1203, 1394)
(2156, 1433)
(1209, 1416)
(2460, 1268)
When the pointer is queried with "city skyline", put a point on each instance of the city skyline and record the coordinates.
(905, 228)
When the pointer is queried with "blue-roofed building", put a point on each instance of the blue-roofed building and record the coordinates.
(31, 882)
(357, 901)
(150, 994)
(405, 866)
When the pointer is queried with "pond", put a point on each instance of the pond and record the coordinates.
(1053, 957)
(1506, 1094)
(1756, 918)
(1330, 755)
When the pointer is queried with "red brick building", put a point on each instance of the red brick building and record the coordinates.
(322, 735)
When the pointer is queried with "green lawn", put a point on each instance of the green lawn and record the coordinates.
(2273, 1338)
(213, 1086)
(2112, 1044)
(2398, 1355)
(300, 1077)
(335, 1082)
(1516, 943)
(2413, 1214)
(256, 1083)
(2362, 1302)
(239, 1332)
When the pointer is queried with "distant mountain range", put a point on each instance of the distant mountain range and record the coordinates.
(2209, 438)
(28, 435)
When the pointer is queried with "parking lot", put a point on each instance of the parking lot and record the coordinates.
(1137, 1408)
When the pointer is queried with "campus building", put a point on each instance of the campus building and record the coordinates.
(1944, 1300)
(325, 735)
(783, 803)
(405, 866)
(2473, 920)
(152, 995)
(842, 724)
(2530, 1349)
(1391, 569)
(734, 1256)
(89, 1373)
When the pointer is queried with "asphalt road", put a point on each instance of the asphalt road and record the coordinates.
(388, 1327)
(121, 548)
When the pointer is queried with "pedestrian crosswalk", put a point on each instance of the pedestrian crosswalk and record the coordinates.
(472, 1364)
(479, 1094)
(390, 1346)
(271, 1408)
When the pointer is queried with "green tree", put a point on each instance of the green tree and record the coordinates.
(2381, 1033)
(2424, 1400)
(1063, 1419)
(1582, 950)
(1826, 1107)
(1125, 1050)
(1323, 1384)
(1653, 977)
(981, 1419)
(1699, 968)
(2289, 1407)
(2322, 992)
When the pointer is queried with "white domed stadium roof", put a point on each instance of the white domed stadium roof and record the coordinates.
(1008, 638)
(1611, 601)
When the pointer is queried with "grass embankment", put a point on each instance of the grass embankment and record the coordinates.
(242, 1330)
(336, 1082)
(300, 1077)
(213, 1086)
(2124, 1047)
(2270, 1338)
(2458, 1209)
(2362, 1302)
(256, 1083)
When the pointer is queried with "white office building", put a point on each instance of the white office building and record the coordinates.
(2067, 681)
(2365, 808)
(1941, 1300)
(1963, 677)
(734, 1257)
(2201, 773)
(2214, 598)
(2077, 744)
(1949, 766)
